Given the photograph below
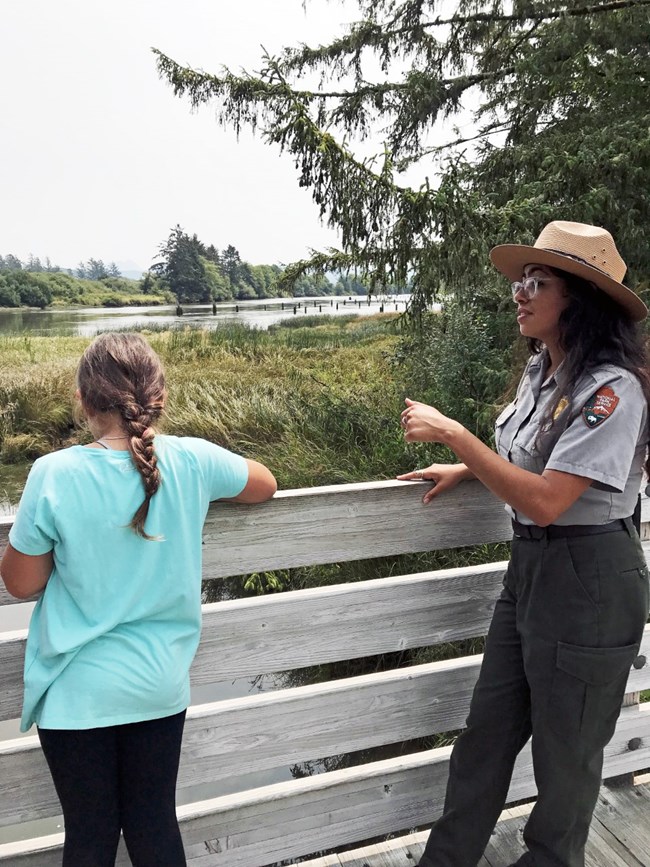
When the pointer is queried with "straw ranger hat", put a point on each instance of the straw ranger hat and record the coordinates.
(586, 251)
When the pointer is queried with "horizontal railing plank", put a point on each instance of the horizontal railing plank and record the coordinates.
(12, 658)
(337, 523)
(256, 733)
(345, 621)
(291, 819)
(247, 637)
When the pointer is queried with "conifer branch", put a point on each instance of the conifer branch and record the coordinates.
(551, 15)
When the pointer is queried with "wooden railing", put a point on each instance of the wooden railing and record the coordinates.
(281, 632)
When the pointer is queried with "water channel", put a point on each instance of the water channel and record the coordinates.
(87, 321)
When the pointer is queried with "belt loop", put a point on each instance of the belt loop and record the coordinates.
(631, 529)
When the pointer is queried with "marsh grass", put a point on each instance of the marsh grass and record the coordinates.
(317, 403)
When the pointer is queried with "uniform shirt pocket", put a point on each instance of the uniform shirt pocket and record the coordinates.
(500, 436)
(505, 414)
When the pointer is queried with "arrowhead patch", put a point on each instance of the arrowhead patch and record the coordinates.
(600, 406)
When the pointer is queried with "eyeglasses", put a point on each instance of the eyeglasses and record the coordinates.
(528, 287)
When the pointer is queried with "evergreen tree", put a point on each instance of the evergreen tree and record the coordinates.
(560, 130)
(181, 265)
(231, 264)
(113, 270)
(12, 263)
(148, 284)
(212, 255)
(34, 264)
(96, 270)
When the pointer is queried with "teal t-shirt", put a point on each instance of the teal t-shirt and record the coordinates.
(112, 637)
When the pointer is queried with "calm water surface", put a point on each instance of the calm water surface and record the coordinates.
(87, 321)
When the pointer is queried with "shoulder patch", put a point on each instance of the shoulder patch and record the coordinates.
(600, 406)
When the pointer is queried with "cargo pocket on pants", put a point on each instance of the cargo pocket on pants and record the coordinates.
(588, 689)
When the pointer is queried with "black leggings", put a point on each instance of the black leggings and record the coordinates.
(119, 777)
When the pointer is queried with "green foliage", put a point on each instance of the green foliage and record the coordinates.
(460, 362)
(31, 290)
(57, 288)
(182, 267)
(95, 269)
(9, 296)
(561, 130)
(10, 263)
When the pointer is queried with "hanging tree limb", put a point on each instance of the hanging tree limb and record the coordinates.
(566, 82)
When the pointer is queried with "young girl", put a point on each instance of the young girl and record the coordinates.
(571, 452)
(111, 533)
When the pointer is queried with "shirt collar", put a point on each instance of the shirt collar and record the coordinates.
(538, 367)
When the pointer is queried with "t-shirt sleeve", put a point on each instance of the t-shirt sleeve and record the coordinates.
(600, 442)
(34, 530)
(225, 473)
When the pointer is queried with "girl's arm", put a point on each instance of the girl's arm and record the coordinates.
(261, 484)
(25, 575)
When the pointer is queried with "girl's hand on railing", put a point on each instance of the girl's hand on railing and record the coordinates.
(444, 478)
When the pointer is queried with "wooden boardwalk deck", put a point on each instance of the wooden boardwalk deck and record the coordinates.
(619, 836)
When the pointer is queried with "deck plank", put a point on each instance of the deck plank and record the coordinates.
(506, 844)
(619, 837)
(605, 850)
(625, 813)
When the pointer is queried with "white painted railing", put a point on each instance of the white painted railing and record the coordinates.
(248, 637)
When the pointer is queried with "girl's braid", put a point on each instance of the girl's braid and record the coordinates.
(121, 372)
(137, 423)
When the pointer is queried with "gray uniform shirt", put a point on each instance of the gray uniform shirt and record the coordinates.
(599, 433)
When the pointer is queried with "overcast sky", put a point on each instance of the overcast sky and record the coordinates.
(98, 158)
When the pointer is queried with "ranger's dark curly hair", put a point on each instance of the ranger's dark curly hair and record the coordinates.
(595, 330)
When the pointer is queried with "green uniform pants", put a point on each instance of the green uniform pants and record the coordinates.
(564, 635)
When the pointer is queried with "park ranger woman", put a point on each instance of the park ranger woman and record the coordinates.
(571, 450)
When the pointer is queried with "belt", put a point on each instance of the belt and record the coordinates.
(556, 531)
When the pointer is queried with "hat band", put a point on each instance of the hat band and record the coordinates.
(577, 259)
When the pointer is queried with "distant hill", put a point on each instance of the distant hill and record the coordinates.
(130, 269)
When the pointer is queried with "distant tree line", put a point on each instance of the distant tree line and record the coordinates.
(186, 270)
(196, 272)
(93, 269)
(36, 283)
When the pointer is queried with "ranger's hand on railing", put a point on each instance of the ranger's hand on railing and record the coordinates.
(444, 478)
